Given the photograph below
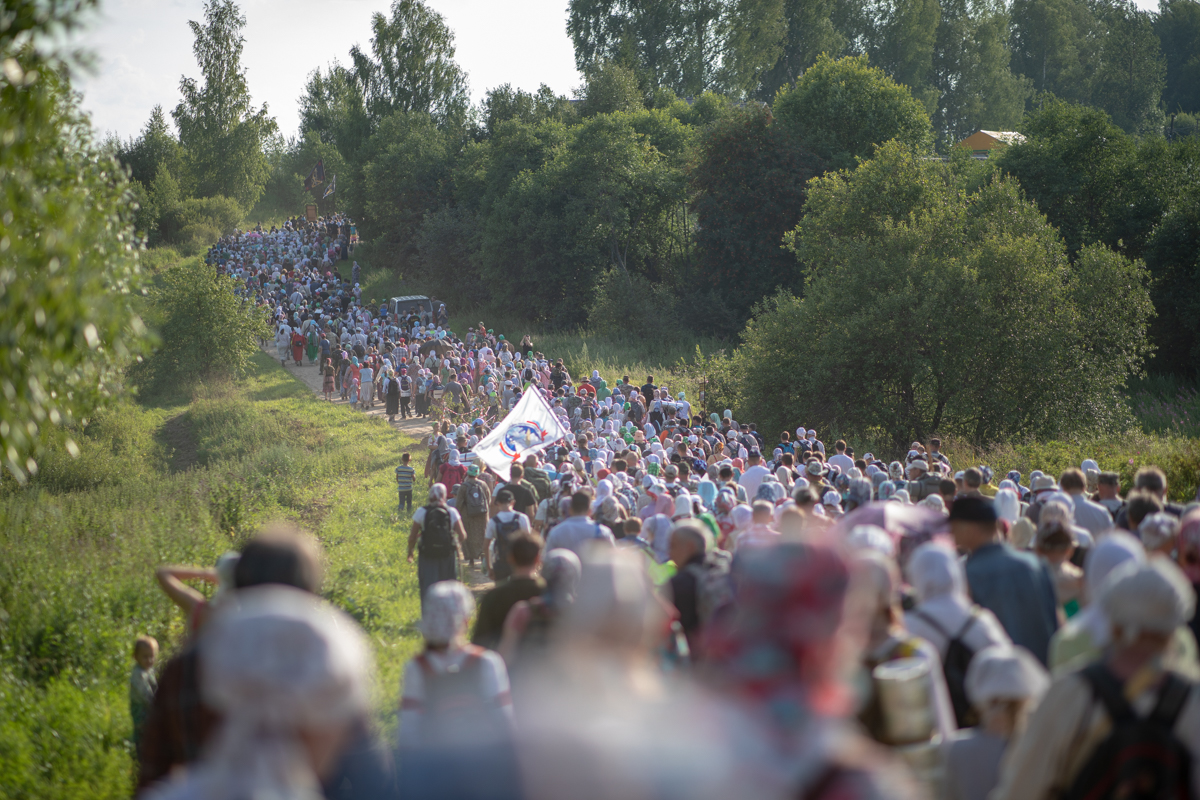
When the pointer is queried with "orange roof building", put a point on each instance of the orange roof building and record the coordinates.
(980, 143)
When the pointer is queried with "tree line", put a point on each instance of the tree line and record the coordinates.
(667, 194)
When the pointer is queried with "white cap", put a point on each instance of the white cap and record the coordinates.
(1003, 672)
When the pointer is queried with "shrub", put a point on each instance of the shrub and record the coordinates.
(208, 331)
(629, 304)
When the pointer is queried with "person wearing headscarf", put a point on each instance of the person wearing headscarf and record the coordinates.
(779, 659)
(945, 613)
(452, 473)
(1004, 685)
(1086, 635)
(438, 531)
(1144, 603)
(455, 707)
(1187, 555)
(888, 641)
(290, 676)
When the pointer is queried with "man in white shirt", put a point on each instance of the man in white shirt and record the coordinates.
(506, 524)
(839, 459)
(755, 471)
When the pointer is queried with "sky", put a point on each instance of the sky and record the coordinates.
(143, 47)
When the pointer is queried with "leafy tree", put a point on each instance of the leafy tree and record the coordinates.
(900, 37)
(411, 65)
(1174, 259)
(1101, 53)
(749, 179)
(840, 109)
(975, 86)
(611, 87)
(805, 30)
(221, 132)
(209, 329)
(929, 306)
(1077, 166)
(645, 37)
(1129, 81)
(756, 36)
(405, 178)
(505, 103)
(447, 260)
(1178, 29)
(156, 148)
(332, 107)
(69, 265)
(608, 198)
(1052, 42)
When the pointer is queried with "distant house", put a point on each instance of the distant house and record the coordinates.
(980, 143)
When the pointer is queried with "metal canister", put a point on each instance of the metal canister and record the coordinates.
(904, 688)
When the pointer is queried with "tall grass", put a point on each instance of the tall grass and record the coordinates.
(1166, 404)
(182, 484)
(1125, 454)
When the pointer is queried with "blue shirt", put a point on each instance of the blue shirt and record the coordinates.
(1017, 588)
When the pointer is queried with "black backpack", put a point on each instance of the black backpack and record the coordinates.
(954, 666)
(1141, 759)
(504, 531)
(437, 539)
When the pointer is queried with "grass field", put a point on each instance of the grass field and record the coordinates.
(178, 480)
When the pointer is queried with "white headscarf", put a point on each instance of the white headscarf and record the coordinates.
(658, 533)
(1112, 551)
(276, 662)
(448, 608)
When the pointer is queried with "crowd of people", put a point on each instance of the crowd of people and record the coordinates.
(683, 609)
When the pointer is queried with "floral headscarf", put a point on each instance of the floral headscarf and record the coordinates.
(776, 647)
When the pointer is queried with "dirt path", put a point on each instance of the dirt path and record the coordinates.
(414, 427)
(311, 375)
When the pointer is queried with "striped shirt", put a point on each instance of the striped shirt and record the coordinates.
(405, 475)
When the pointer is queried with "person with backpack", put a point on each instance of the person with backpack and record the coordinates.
(455, 719)
(946, 618)
(405, 385)
(473, 501)
(438, 530)
(701, 584)
(888, 641)
(1124, 726)
(1004, 685)
(502, 528)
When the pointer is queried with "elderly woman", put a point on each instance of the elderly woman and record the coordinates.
(455, 709)
(779, 660)
(945, 614)
(1004, 685)
(289, 675)
(438, 530)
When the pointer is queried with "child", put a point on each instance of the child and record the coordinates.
(142, 683)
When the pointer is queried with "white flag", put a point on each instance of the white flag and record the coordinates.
(529, 428)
